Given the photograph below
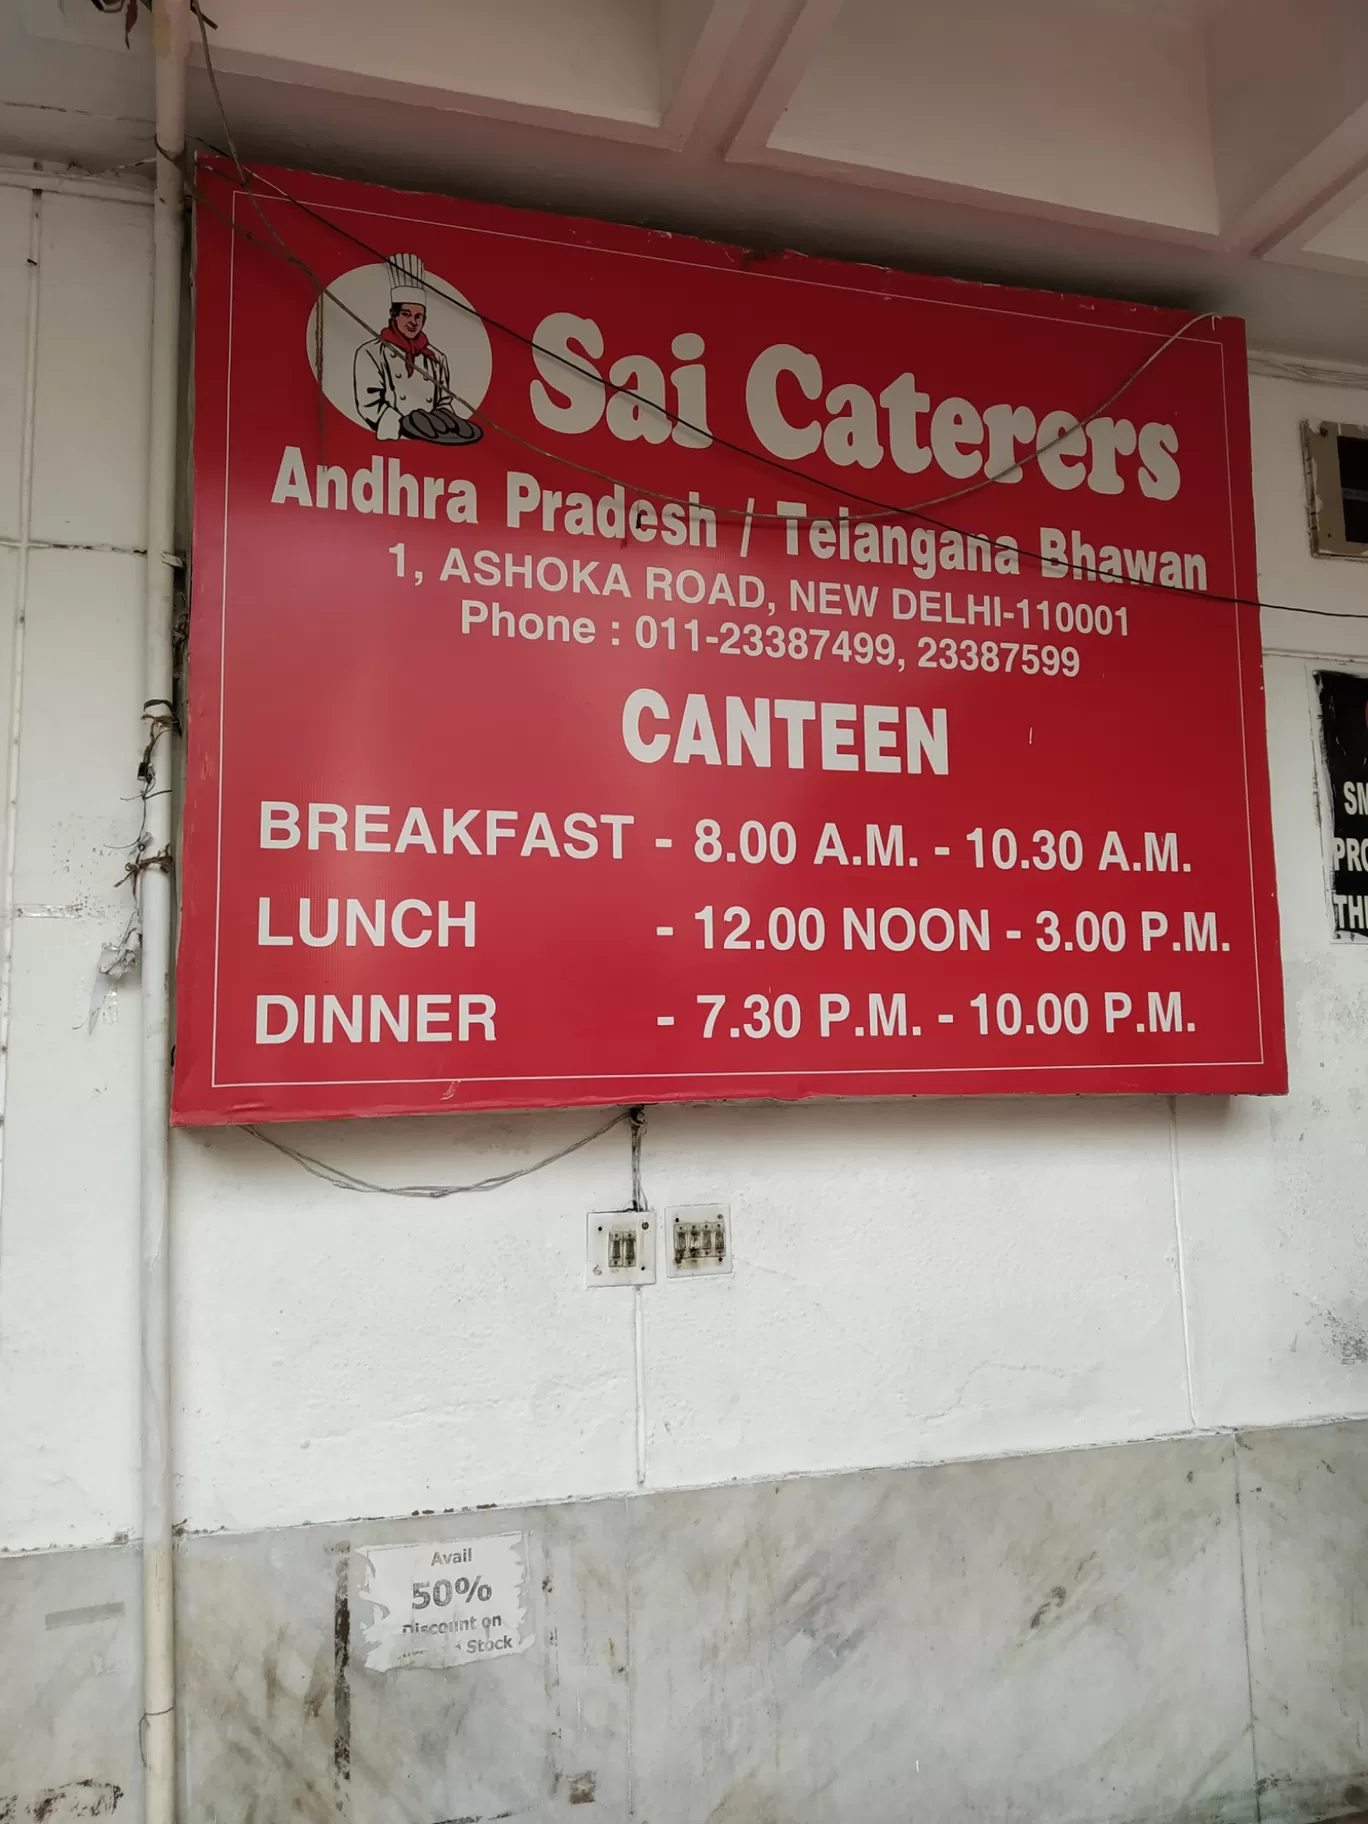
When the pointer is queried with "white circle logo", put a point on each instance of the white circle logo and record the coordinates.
(404, 353)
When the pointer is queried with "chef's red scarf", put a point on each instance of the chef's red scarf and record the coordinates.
(410, 347)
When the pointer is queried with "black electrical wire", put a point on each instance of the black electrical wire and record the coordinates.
(879, 508)
(348, 1181)
(793, 475)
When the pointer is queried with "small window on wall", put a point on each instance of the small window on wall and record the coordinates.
(1337, 487)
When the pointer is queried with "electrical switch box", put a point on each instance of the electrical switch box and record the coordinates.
(622, 1248)
(698, 1241)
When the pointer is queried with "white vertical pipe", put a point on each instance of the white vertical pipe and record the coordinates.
(16, 716)
(170, 31)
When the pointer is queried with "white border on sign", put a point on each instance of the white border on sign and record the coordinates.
(724, 1076)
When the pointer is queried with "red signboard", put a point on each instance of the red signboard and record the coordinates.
(630, 669)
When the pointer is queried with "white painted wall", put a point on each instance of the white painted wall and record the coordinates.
(913, 1281)
(1275, 1193)
(68, 1138)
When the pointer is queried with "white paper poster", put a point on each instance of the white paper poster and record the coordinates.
(455, 1602)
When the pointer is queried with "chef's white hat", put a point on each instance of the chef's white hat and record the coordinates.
(406, 279)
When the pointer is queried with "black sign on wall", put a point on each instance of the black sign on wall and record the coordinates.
(1344, 739)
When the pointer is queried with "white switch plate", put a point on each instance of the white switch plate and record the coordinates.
(698, 1241)
(622, 1248)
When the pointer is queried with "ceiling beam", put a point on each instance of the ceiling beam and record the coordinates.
(1287, 84)
(807, 25)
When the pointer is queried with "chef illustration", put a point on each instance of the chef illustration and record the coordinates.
(403, 383)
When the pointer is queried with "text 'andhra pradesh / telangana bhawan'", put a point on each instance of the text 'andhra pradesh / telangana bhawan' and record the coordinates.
(384, 488)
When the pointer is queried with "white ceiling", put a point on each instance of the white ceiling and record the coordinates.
(1205, 152)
